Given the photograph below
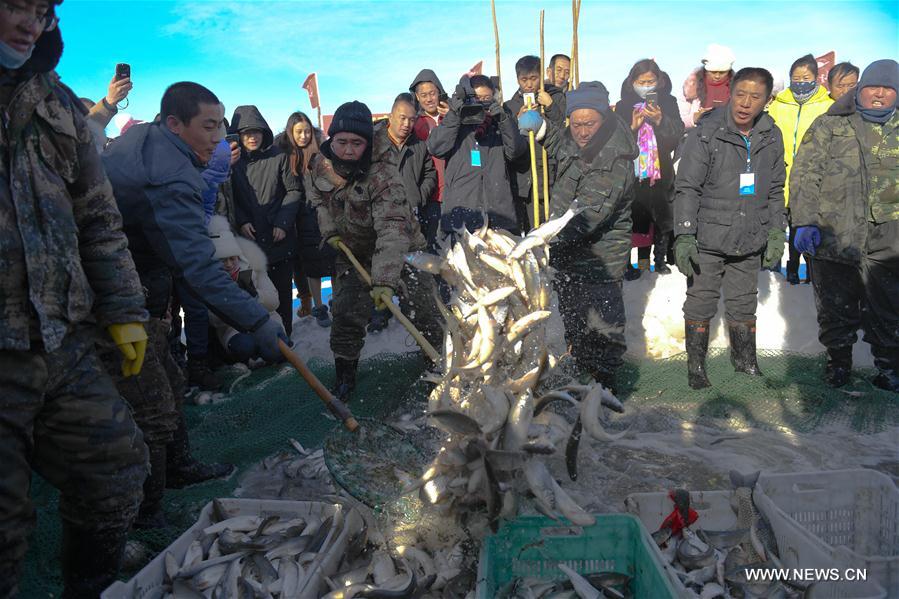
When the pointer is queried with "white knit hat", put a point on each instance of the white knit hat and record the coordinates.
(222, 238)
(718, 58)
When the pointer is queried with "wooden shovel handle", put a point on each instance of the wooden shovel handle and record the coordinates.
(334, 405)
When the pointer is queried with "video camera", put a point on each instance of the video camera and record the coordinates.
(472, 110)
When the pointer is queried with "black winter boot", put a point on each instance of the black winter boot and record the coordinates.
(151, 514)
(199, 375)
(888, 376)
(182, 469)
(90, 560)
(697, 341)
(839, 366)
(659, 252)
(742, 347)
(345, 378)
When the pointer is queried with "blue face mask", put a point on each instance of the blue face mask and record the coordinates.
(12, 59)
(803, 90)
(642, 90)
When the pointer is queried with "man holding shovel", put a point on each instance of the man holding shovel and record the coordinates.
(358, 194)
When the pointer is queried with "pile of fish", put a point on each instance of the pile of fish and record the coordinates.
(338, 554)
(614, 585)
(712, 564)
(490, 399)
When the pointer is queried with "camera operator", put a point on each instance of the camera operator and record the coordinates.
(478, 138)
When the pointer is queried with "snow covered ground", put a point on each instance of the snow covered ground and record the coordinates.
(787, 320)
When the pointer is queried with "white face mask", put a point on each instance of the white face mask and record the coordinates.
(12, 59)
(642, 90)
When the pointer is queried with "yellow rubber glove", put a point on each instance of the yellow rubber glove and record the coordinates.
(333, 240)
(381, 295)
(132, 341)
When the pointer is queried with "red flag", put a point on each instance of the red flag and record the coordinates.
(311, 86)
(825, 63)
(476, 69)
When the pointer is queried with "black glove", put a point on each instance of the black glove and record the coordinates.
(496, 111)
(266, 338)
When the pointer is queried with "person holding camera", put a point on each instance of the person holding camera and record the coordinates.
(478, 138)
(100, 114)
(652, 111)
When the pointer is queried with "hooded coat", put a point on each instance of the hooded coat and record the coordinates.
(656, 198)
(793, 119)
(65, 256)
(707, 201)
(425, 124)
(846, 182)
(252, 278)
(159, 190)
(266, 193)
(471, 190)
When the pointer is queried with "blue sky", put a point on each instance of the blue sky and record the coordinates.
(257, 52)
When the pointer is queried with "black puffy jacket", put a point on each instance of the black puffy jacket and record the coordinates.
(707, 200)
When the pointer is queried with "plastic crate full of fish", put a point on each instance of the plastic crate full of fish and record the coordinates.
(199, 560)
(615, 557)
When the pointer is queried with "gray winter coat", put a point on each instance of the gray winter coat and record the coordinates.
(415, 165)
(469, 190)
(707, 200)
(158, 188)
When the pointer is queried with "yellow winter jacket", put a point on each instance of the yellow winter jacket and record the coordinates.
(794, 119)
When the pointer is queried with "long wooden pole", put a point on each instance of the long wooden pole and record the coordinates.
(545, 165)
(571, 85)
(535, 184)
(388, 301)
(577, 50)
(499, 78)
(334, 405)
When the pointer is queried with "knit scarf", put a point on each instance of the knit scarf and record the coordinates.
(646, 165)
(875, 115)
(716, 94)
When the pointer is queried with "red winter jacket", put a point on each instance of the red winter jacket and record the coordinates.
(422, 130)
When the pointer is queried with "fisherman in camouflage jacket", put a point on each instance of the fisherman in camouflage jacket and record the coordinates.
(845, 202)
(358, 194)
(66, 281)
(595, 156)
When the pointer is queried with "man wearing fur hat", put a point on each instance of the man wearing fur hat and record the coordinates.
(845, 201)
(359, 197)
(595, 156)
(247, 265)
(67, 281)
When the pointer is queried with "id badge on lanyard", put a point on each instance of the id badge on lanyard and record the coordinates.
(476, 155)
(747, 179)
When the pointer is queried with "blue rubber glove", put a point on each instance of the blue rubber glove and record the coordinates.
(807, 239)
(266, 338)
(530, 121)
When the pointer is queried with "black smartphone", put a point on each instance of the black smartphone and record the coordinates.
(232, 137)
(443, 98)
(122, 71)
(652, 98)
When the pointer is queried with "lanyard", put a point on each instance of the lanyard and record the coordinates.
(748, 155)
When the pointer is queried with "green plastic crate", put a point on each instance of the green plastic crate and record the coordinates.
(535, 545)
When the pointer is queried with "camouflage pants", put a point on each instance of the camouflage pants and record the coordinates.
(150, 394)
(352, 308)
(593, 313)
(60, 415)
(849, 297)
(738, 276)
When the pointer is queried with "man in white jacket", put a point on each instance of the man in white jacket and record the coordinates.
(247, 265)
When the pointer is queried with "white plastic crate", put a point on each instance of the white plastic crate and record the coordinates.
(147, 584)
(715, 513)
(837, 519)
